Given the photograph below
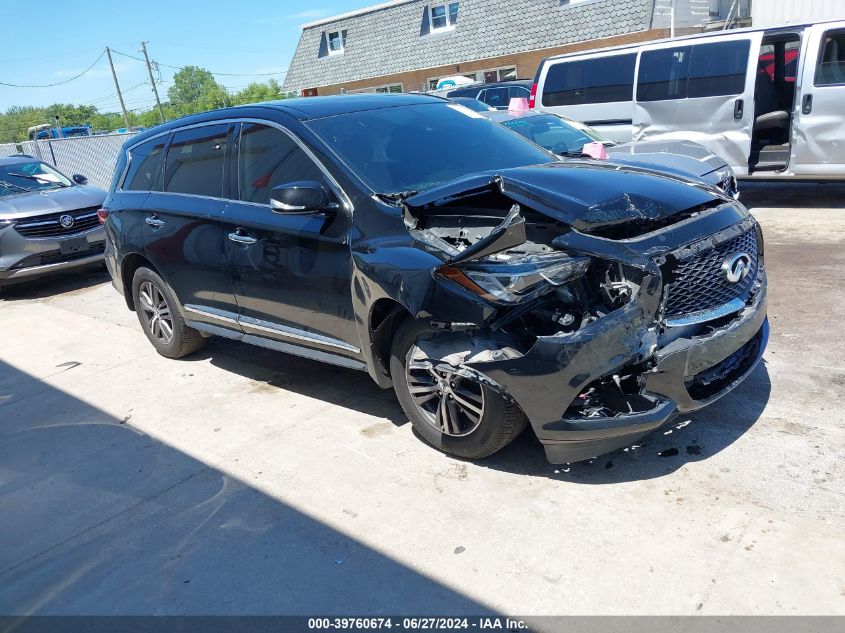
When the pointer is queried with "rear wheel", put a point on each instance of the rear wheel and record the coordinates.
(448, 406)
(158, 313)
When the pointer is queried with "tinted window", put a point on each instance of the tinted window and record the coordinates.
(518, 92)
(496, 97)
(195, 161)
(831, 68)
(602, 80)
(144, 164)
(704, 70)
(268, 157)
(718, 69)
(413, 148)
(663, 74)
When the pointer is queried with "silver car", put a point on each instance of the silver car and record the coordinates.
(566, 137)
(48, 222)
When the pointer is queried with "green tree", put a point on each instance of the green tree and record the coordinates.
(194, 89)
(257, 92)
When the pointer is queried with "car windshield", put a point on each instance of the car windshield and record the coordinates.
(555, 134)
(414, 148)
(31, 176)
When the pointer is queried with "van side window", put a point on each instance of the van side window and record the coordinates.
(601, 80)
(663, 74)
(194, 162)
(144, 165)
(831, 68)
(268, 157)
(718, 69)
(688, 72)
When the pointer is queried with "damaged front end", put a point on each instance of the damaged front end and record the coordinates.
(611, 313)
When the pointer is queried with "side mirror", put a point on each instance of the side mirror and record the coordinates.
(79, 179)
(306, 196)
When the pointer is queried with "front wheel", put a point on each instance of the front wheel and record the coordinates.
(450, 408)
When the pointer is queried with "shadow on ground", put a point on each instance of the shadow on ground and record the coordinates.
(99, 518)
(792, 194)
(693, 437)
(59, 283)
(688, 438)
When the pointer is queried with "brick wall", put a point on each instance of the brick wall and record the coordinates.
(526, 63)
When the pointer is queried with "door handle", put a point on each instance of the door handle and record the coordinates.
(739, 109)
(154, 222)
(241, 238)
(807, 105)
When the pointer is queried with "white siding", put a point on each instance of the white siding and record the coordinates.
(774, 12)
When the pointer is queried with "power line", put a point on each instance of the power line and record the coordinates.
(210, 71)
(3, 83)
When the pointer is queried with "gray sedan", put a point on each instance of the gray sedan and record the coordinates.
(566, 137)
(48, 222)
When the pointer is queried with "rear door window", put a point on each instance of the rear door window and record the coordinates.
(831, 67)
(194, 163)
(496, 97)
(267, 158)
(688, 72)
(599, 80)
(144, 165)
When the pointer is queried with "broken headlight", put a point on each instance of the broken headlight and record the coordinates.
(516, 279)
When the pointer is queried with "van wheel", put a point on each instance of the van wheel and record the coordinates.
(158, 312)
(450, 410)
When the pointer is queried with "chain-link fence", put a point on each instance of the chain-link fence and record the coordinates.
(91, 156)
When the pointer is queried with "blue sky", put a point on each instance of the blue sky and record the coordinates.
(52, 41)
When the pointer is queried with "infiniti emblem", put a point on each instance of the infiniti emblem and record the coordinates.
(736, 267)
(66, 221)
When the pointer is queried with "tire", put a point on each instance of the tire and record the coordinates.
(154, 298)
(501, 420)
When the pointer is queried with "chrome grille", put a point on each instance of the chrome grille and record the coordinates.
(50, 226)
(699, 283)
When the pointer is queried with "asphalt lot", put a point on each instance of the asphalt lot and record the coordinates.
(246, 481)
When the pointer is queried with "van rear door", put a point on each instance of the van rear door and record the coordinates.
(818, 148)
(700, 90)
(596, 89)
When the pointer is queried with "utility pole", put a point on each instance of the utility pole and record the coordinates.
(117, 87)
(152, 81)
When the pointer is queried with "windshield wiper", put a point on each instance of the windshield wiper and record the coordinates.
(397, 196)
(39, 179)
(11, 184)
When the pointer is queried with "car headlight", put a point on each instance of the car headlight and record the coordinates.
(517, 279)
(726, 181)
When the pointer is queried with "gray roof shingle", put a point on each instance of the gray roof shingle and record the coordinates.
(386, 41)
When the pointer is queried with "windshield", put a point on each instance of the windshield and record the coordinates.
(555, 134)
(33, 176)
(414, 148)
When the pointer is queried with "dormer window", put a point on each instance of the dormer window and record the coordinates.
(334, 39)
(443, 16)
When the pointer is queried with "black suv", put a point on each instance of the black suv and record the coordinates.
(489, 283)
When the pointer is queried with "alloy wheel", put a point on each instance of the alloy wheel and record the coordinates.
(449, 401)
(156, 312)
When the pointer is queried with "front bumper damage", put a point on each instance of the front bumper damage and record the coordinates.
(677, 334)
(559, 368)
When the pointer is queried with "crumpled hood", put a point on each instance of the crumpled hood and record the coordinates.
(35, 203)
(680, 157)
(582, 194)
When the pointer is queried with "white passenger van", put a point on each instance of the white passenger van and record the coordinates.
(769, 101)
